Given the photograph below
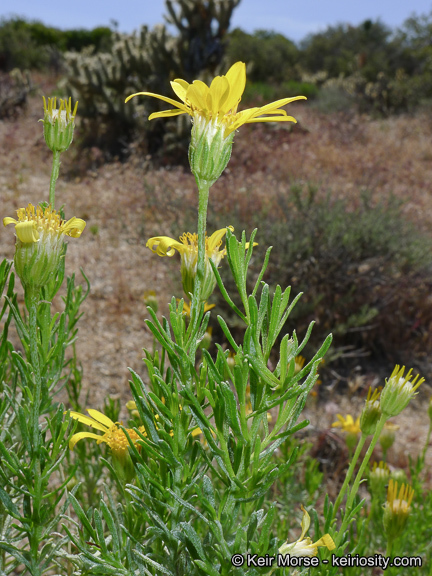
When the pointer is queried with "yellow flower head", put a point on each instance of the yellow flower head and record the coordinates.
(351, 428)
(188, 250)
(397, 508)
(215, 117)
(40, 236)
(112, 434)
(34, 223)
(347, 424)
(218, 102)
(304, 546)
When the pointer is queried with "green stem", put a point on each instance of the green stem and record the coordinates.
(389, 547)
(427, 443)
(349, 474)
(356, 485)
(203, 191)
(34, 359)
(54, 175)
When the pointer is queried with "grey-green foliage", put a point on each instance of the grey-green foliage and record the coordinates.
(32, 478)
(146, 61)
(198, 495)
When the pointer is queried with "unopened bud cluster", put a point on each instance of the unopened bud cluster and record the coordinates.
(58, 124)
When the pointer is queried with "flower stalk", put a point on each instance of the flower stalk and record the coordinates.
(349, 474)
(54, 176)
(355, 488)
(203, 196)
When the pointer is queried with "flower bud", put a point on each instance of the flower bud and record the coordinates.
(371, 413)
(58, 124)
(398, 392)
(397, 509)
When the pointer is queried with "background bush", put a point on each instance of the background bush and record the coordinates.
(365, 272)
(26, 44)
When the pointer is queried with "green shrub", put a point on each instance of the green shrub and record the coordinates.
(343, 49)
(24, 44)
(271, 58)
(17, 47)
(364, 272)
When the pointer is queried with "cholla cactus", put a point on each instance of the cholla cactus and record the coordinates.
(200, 43)
(147, 60)
(14, 89)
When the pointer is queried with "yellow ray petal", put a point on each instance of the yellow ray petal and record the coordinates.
(180, 88)
(80, 435)
(215, 239)
(73, 227)
(273, 119)
(197, 95)
(26, 232)
(279, 103)
(164, 98)
(241, 118)
(273, 112)
(219, 90)
(88, 421)
(327, 541)
(305, 523)
(99, 417)
(236, 77)
(9, 220)
(165, 114)
(165, 246)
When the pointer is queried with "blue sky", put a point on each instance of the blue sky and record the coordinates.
(293, 19)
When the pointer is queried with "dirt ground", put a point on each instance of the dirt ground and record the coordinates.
(125, 204)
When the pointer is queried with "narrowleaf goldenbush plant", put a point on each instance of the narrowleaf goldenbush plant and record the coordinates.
(207, 469)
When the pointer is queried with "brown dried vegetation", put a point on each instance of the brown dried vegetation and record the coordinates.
(125, 204)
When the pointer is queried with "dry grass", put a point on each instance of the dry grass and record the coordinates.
(125, 204)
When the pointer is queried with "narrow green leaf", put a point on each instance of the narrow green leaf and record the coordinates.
(193, 539)
(227, 333)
